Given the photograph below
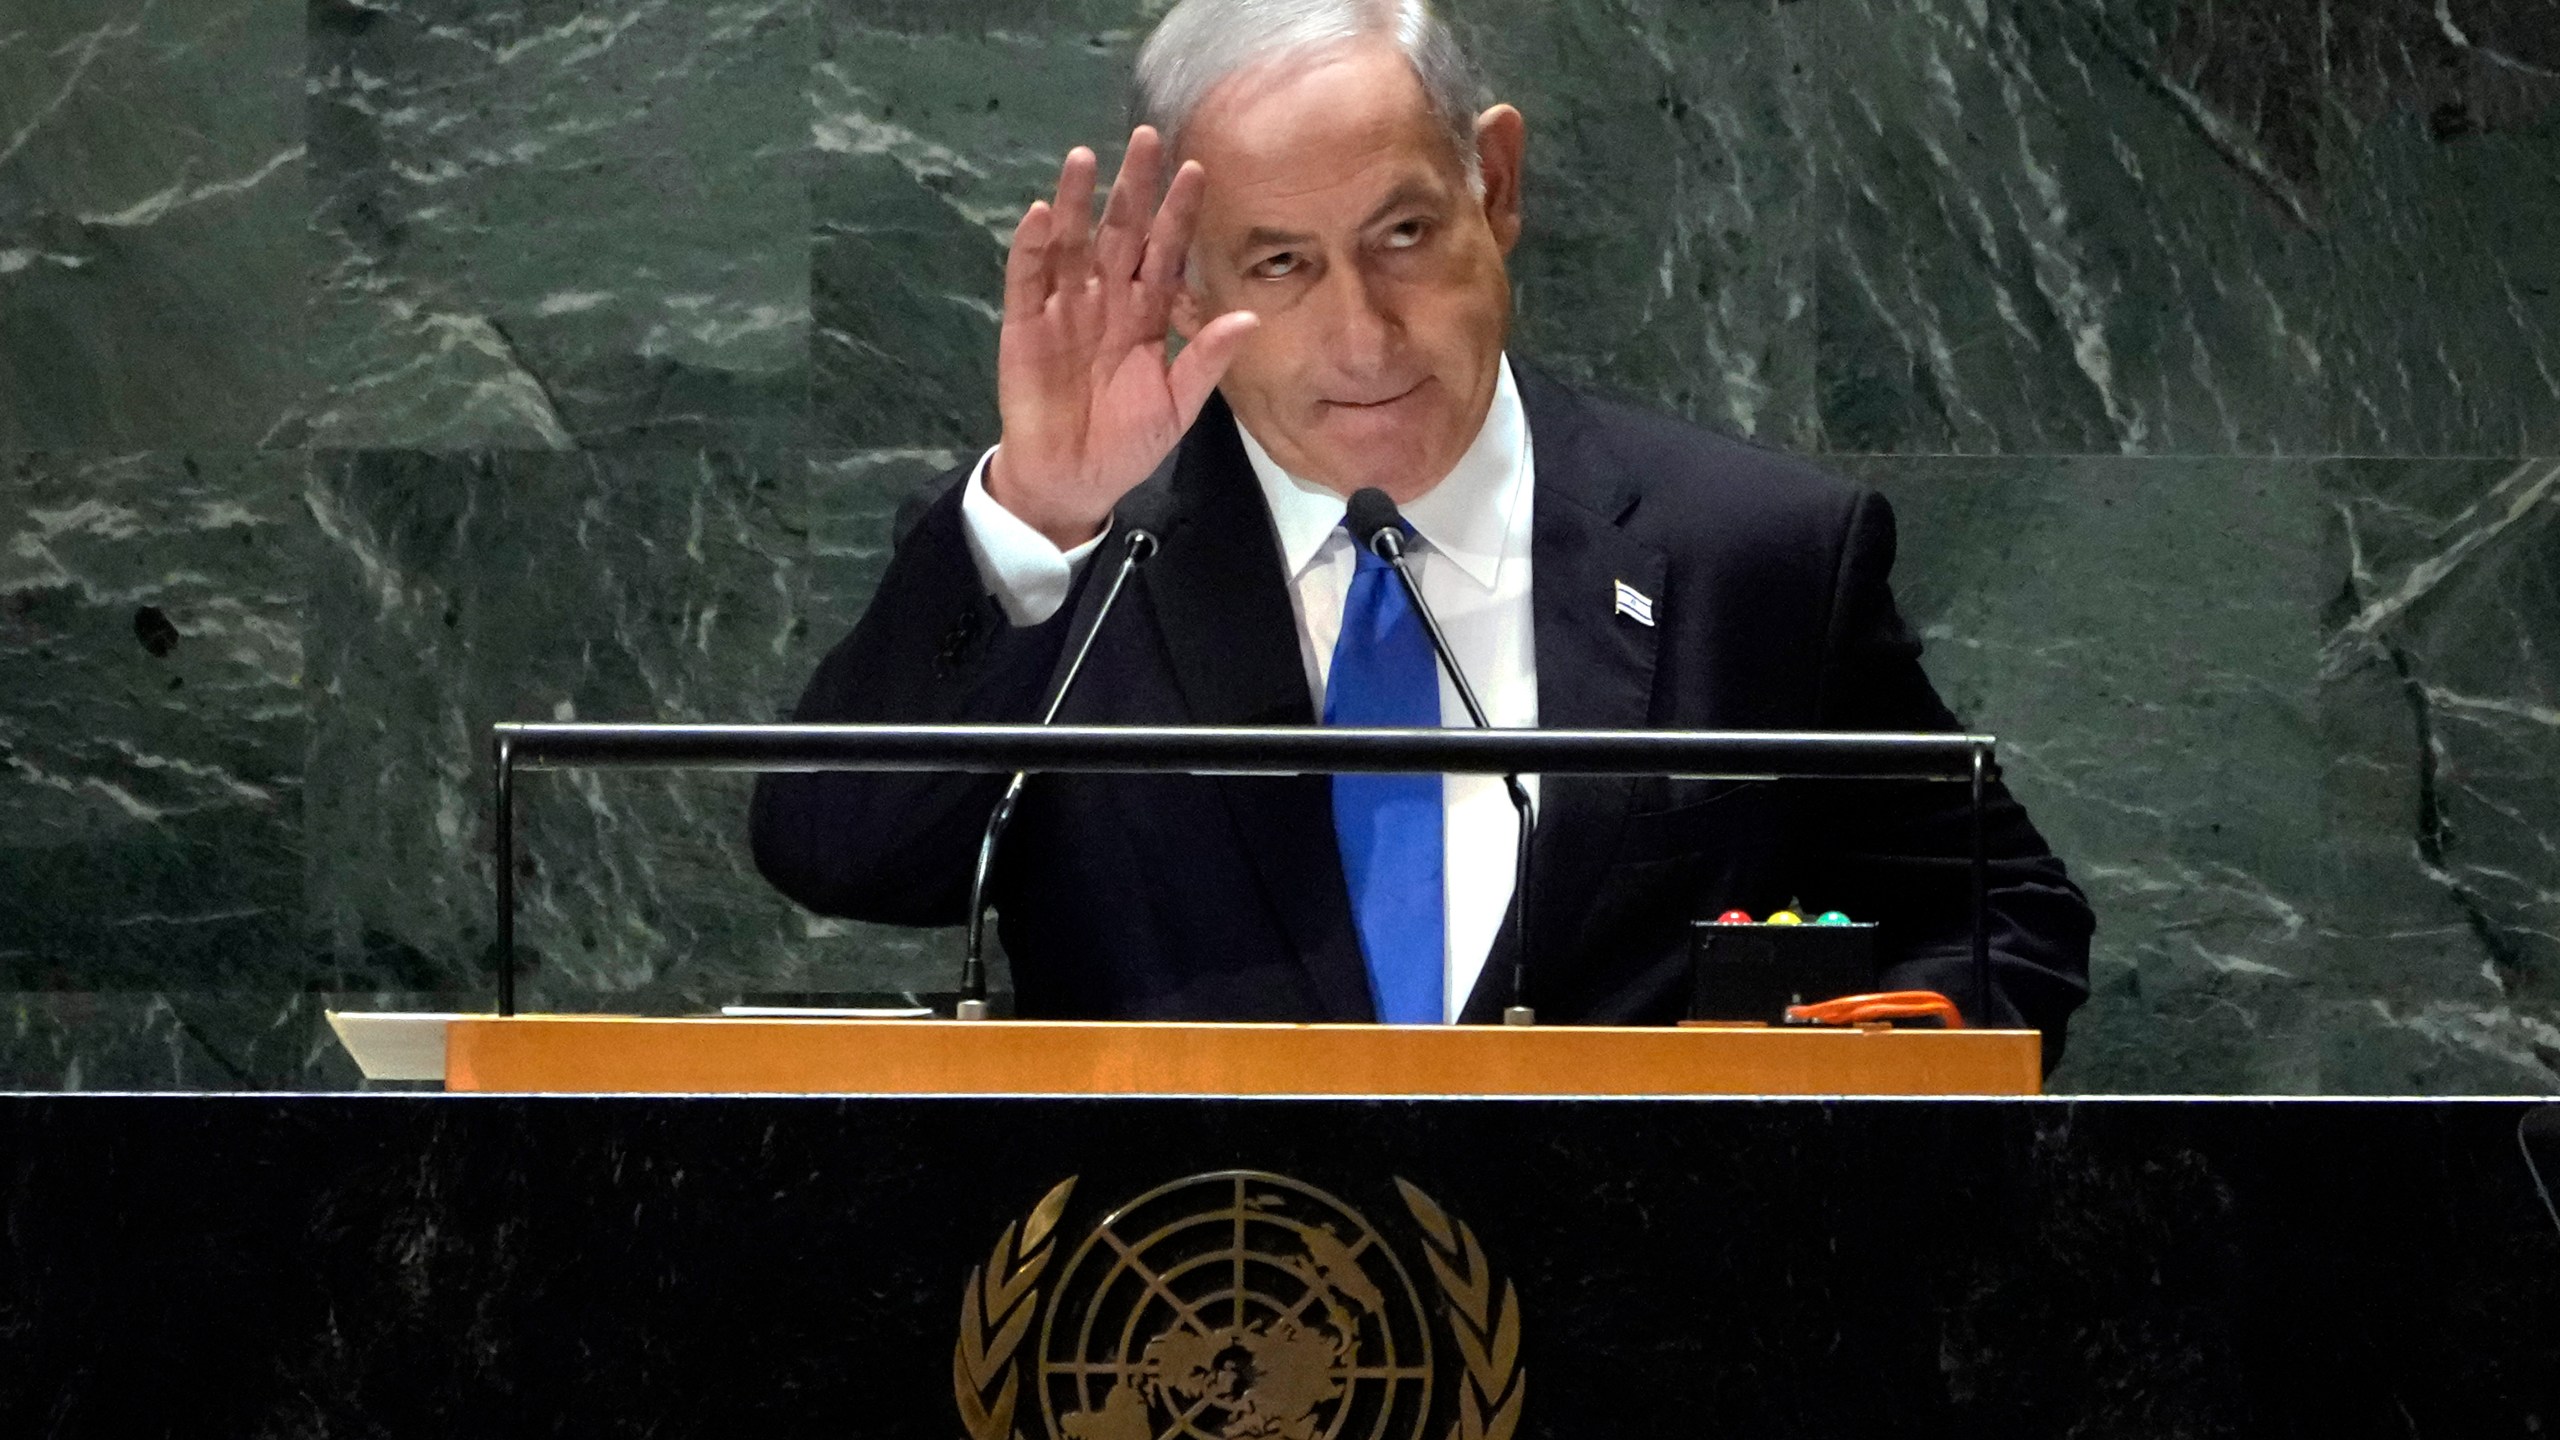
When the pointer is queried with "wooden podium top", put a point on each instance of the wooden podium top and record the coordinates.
(599, 1054)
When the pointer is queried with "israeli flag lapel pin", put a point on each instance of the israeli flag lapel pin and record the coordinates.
(1635, 604)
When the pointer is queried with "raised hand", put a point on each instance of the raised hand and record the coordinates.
(1090, 401)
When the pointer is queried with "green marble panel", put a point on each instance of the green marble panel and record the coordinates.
(1667, 252)
(2440, 718)
(152, 723)
(459, 590)
(245, 1037)
(556, 225)
(2291, 723)
(2315, 226)
(151, 204)
(934, 128)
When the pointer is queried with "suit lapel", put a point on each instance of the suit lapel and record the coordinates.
(1230, 634)
(1595, 666)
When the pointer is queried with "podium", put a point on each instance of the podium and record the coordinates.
(619, 1054)
(608, 1054)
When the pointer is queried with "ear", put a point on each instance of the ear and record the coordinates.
(1188, 314)
(1502, 142)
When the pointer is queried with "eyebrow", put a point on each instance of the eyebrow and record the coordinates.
(1411, 192)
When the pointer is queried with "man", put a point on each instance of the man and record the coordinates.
(1331, 249)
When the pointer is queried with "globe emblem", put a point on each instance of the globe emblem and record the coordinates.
(1236, 1305)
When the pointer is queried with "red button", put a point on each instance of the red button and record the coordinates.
(1734, 917)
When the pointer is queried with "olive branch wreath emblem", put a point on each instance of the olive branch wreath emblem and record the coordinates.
(1002, 1297)
(1488, 1330)
(995, 1313)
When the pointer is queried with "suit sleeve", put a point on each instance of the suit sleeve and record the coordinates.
(1902, 851)
(934, 647)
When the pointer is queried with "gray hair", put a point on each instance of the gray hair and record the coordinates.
(1202, 42)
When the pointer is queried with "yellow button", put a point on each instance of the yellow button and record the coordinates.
(1784, 917)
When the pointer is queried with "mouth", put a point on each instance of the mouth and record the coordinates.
(1360, 406)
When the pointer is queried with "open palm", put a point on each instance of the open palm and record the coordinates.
(1090, 398)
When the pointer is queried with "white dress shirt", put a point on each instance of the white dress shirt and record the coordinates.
(1472, 563)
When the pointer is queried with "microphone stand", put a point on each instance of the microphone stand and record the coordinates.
(1140, 545)
(1387, 543)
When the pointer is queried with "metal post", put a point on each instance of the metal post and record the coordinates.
(1982, 992)
(503, 763)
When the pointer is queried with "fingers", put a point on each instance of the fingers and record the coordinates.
(1097, 295)
(1169, 238)
(1124, 215)
(1168, 244)
(1071, 233)
(1026, 264)
(1204, 361)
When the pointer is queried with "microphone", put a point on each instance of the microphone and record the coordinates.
(1374, 523)
(1138, 545)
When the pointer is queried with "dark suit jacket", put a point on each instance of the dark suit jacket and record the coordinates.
(1167, 897)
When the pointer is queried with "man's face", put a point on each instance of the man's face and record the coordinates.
(1339, 212)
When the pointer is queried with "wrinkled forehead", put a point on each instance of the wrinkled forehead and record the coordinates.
(1296, 124)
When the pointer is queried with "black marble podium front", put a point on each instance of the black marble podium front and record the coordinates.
(315, 1266)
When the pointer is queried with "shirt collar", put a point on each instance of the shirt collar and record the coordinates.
(1465, 517)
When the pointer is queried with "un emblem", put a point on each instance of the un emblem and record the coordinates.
(1237, 1306)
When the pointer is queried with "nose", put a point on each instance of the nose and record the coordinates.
(1361, 322)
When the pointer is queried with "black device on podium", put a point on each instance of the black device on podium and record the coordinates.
(1755, 971)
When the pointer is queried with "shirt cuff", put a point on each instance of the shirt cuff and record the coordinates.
(1028, 576)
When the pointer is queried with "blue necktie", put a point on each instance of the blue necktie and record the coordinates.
(1389, 825)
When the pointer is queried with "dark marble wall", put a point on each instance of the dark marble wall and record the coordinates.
(370, 372)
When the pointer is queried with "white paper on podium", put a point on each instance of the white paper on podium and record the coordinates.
(395, 1045)
(826, 1012)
